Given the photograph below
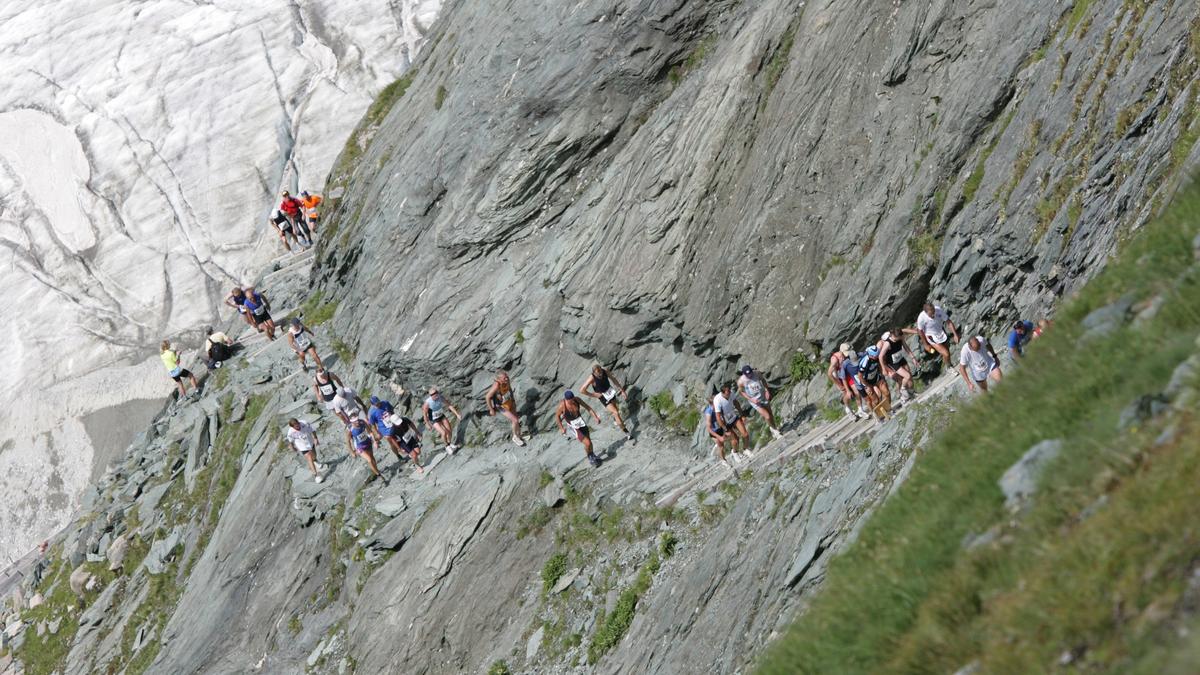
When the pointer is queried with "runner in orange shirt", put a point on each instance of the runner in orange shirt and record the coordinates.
(310, 204)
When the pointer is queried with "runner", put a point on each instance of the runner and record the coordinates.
(393, 428)
(500, 397)
(294, 210)
(326, 386)
(847, 371)
(283, 227)
(850, 368)
(348, 406)
(260, 310)
(732, 423)
(980, 360)
(310, 203)
(713, 426)
(834, 373)
(568, 411)
(1020, 335)
(931, 328)
(303, 439)
(870, 373)
(434, 411)
(362, 443)
(237, 300)
(605, 387)
(300, 338)
(756, 393)
(892, 351)
(170, 359)
(217, 348)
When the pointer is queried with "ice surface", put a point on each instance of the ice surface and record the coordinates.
(144, 144)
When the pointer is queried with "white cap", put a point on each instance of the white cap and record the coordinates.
(887, 336)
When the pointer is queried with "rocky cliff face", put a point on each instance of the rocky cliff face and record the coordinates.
(146, 143)
(668, 187)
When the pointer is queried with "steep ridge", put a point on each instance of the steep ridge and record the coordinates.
(668, 187)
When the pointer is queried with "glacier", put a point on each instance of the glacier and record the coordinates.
(146, 143)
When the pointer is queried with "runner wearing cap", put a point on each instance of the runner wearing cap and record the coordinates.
(348, 406)
(848, 370)
(400, 433)
(434, 411)
(892, 352)
(931, 327)
(730, 420)
(569, 412)
(758, 395)
(294, 210)
(283, 227)
(362, 444)
(603, 385)
(303, 439)
(300, 338)
(170, 359)
(500, 397)
(978, 363)
(870, 373)
(834, 373)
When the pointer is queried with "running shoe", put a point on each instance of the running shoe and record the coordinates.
(593, 460)
(319, 478)
(776, 433)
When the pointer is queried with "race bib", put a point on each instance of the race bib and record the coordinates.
(577, 423)
(302, 342)
(609, 395)
(410, 436)
(260, 310)
(436, 415)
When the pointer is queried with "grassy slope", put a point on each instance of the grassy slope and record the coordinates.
(907, 598)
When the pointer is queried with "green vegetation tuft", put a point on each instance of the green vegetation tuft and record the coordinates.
(803, 367)
(554, 568)
(1078, 10)
(499, 667)
(519, 336)
(612, 627)
(316, 312)
(1097, 566)
(667, 544)
(694, 58)
(439, 97)
(779, 60)
(681, 419)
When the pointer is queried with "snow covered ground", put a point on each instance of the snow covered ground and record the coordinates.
(145, 142)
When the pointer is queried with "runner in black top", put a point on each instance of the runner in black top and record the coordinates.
(603, 385)
(569, 412)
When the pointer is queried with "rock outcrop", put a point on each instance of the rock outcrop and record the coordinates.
(670, 188)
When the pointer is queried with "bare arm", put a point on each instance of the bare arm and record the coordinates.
(953, 330)
(425, 413)
(558, 417)
(586, 387)
(962, 370)
(487, 398)
(620, 387)
(589, 409)
(454, 410)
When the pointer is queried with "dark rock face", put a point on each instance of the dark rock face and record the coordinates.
(675, 187)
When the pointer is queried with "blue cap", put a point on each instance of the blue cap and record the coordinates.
(568, 395)
(872, 351)
(374, 400)
(746, 370)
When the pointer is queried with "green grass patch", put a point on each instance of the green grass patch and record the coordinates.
(439, 97)
(499, 667)
(1078, 10)
(345, 353)
(554, 568)
(316, 312)
(803, 367)
(694, 58)
(612, 627)
(906, 597)
(680, 419)
(779, 60)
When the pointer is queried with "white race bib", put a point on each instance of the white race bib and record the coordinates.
(577, 423)
(609, 395)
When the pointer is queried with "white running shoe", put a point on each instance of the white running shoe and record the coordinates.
(319, 478)
(736, 457)
(321, 467)
(748, 455)
(776, 433)
(862, 414)
(847, 410)
(519, 441)
(450, 449)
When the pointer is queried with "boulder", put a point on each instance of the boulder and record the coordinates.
(116, 552)
(391, 506)
(79, 580)
(534, 643)
(1019, 482)
(162, 551)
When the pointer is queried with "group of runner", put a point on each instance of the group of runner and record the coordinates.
(863, 377)
(296, 219)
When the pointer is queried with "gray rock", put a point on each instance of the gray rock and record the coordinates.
(1102, 321)
(152, 497)
(974, 541)
(1140, 410)
(98, 610)
(116, 552)
(391, 506)
(53, 625)
(238, 412)
(564, 582)
(162, 551)
(534, 644)
(1019, 482)
(79, 580)
(552, 494)
(1184, 375)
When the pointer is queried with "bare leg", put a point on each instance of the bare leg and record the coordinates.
(370, 457)
(516, 421)
(616, 413)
